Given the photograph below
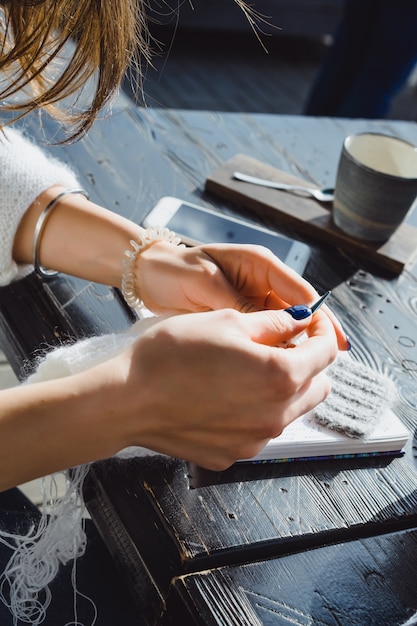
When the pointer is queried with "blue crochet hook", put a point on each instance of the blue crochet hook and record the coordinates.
(301, 311)
(320, 301)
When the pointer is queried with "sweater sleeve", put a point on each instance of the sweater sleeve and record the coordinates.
(25, 171)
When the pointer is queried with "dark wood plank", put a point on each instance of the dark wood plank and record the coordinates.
(370, 582)
(305, 215)
(248, 513)
(213, 524)
(173, 519)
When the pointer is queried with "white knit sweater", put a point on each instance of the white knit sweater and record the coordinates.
(25, 171)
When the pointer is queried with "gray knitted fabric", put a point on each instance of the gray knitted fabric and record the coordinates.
(358, 398)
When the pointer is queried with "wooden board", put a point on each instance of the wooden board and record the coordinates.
(367, 582)
(159, 524)
(306, 215)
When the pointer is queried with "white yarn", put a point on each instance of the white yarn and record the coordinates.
(25, 172)
(59, 537)
(37, 556)
(86, 353)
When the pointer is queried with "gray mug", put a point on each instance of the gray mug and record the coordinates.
(376, 185)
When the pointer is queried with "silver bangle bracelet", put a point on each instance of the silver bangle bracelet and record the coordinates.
(40, 226)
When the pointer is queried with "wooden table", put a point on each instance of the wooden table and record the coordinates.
(327, 543)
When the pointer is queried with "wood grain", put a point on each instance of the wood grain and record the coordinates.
(305, 215)
(163, 519)
(352, 584)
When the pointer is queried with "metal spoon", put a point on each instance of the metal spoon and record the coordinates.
(322, 195)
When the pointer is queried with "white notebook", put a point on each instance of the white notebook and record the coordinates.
(306, 439)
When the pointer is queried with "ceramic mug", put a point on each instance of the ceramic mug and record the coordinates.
(376, 185)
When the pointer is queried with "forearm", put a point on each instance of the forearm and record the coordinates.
(50, 426)
(161, 394)
(80, 238)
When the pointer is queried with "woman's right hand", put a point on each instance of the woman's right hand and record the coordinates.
(210, 388)
(214, 387)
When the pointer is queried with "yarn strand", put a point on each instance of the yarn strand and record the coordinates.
(57, 539)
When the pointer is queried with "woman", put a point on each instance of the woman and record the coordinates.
(232, 304)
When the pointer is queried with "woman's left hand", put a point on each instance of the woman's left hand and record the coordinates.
(215, 276)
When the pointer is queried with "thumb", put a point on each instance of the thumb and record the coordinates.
(276, 327)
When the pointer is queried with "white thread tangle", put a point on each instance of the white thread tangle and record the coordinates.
(56, 540)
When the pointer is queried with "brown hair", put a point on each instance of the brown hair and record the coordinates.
(106, 37)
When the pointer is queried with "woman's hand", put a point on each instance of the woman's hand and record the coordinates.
(215, 276)
(209, 387)
(214, 387)
(86, 240)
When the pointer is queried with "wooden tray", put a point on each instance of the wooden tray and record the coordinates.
(306, 215)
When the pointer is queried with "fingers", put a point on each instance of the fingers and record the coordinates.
(219, 293)
(261, 281)
(309, 395)
(220, 450)
(274, 328)
(307, 358)
(342, 339)
(319, 349)
(223, 385)
(299, 291)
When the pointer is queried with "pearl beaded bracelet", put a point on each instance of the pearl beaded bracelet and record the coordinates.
(147, 238)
